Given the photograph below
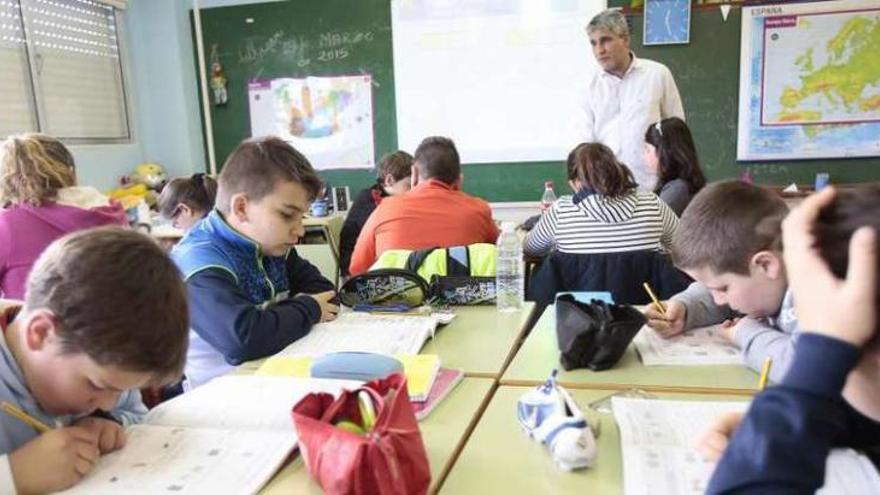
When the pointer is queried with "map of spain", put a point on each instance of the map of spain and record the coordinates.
(821, 68)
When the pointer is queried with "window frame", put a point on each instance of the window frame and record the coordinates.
(38, 105)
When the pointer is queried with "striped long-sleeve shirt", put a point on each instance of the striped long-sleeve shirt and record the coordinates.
(600, 224)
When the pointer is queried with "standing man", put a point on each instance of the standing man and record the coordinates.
(625, 96)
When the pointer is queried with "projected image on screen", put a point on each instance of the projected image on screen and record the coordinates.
(499, 77)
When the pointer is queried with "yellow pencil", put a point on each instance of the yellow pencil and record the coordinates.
(17, 413)
(656, 302)
(765, 373)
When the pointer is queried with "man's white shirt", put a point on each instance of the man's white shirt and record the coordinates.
(617, 111)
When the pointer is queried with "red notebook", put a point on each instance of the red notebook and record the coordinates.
(446, 380)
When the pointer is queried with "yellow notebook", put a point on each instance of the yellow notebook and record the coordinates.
(296, 366)
(420, 369)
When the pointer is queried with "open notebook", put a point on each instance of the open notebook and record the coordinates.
(354, 331)
(698, 346)
(657, 440)
(227, 436)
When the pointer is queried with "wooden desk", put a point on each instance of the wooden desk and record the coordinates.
(443, 432)
(480, 340)
(500, 458)
(540, 354)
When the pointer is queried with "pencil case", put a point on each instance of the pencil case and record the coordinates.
(594, 335)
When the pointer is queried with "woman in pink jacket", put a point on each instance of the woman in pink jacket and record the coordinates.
(40, 202)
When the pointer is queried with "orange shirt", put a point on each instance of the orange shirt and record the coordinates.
(432, 214)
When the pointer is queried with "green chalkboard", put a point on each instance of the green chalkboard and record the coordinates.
(298, 39)
(301, 38)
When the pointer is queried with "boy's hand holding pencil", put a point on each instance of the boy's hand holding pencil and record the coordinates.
(55, 460)
(668, 318)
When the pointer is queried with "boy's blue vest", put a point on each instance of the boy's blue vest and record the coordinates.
(213, 243)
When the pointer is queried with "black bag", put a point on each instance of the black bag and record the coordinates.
(594, 335)
(462, 290)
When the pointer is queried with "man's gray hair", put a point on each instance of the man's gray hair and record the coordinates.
(611, 20)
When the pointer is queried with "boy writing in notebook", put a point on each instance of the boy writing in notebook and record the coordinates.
(250, 294)
(725, 242)
(104, 315)
(831, 394)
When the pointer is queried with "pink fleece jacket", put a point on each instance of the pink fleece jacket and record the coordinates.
(25, 231)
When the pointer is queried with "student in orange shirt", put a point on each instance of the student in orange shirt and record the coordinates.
(435, 213)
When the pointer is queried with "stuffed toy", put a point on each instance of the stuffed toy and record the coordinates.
(144, 184)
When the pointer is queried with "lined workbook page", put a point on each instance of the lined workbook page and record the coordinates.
(174, 460)
(354, 331)
(699, 346)
(227, 436)
(657, 440)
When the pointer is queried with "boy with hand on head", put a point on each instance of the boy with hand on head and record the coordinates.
(250, 294)
(725, 242)
(831, 394)
(104, 315)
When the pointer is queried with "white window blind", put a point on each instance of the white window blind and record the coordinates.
(75, 65)
(17, 110)
(60, 70)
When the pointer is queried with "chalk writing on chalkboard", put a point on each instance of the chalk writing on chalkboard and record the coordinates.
(253, 52)
(766, 169)
(330, 46)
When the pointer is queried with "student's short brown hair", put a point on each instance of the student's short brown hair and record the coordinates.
(398, 165)
(851, 209)
(595, 166)
(437, 158)
(725, 225)
(33, 167)
(117, 298)
(197, 191)
(257, 165)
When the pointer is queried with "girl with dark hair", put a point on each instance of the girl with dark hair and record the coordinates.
(669, 151)
(186, 200)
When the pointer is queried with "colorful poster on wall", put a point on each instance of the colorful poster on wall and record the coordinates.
(328, 119)
(810, 81)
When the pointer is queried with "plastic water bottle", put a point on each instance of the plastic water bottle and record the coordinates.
(509, 270)
(549, 196)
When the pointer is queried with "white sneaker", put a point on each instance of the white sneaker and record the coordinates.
(549, 414)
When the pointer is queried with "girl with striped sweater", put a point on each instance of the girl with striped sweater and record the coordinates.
(606, 214)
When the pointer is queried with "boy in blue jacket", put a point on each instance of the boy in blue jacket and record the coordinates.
(104, 315)
(831, 394)
(250, 294)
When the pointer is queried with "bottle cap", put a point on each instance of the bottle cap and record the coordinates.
(548, 183)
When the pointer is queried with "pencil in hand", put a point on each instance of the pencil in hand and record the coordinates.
(24, 417)
(765, 373)
(656, 302)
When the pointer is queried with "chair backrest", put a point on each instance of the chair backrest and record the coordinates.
(622, 274)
